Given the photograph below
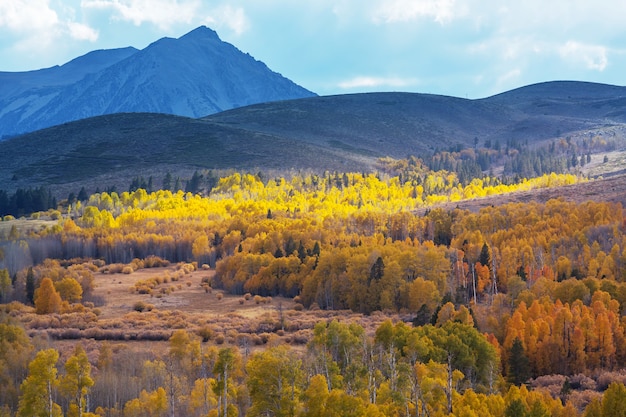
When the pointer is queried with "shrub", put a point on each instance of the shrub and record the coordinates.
(247, 296)
(205, 267)
(206, 333)
(241, 301)
(115, 268)
(258, 299)
(188, 283)
(98, 262)
(220, 339)
(219, 296)
(139, 306)
(298, 307)
(153, 261)
(136, 264)
(127, 270)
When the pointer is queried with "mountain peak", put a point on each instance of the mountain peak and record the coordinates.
(201, 32)
(195, 75)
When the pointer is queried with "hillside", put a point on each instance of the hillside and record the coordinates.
(195, 75)
(342, 133)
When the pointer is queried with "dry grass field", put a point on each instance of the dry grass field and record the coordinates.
(188, 294)
(126, 312)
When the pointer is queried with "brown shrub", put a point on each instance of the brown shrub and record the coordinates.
(300, 338)
(298, 307)
(582, 382)
(220, 339)
(139, 306)
(206, 333)
(136, 264)
(247, 296)
(98, 263)
(153, 261)
(580, 399)
(258, 299)
(241, 301)
(605, 379)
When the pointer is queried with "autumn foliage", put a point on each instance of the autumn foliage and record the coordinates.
(484, 304)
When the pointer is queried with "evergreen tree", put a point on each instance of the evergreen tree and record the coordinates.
(167, 181)
(484, 258)
(377, 270)
(519, 365)
(30, 285)
(82, 194)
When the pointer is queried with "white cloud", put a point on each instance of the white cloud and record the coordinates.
(234, 18)
(594, 57)
(162, 13)
(374, 82)
(82, 32)
(441, 11)
(27, 15)
(35, 26)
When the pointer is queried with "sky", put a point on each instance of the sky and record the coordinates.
(462, 48)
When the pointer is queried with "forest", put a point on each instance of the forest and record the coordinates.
(397, 307)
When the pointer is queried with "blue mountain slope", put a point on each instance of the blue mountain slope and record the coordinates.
(195, 75)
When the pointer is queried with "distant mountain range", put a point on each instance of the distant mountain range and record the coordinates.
(335, 133)
(195, 75)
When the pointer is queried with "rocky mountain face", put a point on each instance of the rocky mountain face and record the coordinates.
(195, 75)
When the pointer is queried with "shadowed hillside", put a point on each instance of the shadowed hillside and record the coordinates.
(342, 133)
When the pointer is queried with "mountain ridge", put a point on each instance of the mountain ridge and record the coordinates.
(333, 133)
(194, 75)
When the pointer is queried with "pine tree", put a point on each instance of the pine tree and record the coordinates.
(30, 285)
(377, 271)
(519, 365)
(484, 258)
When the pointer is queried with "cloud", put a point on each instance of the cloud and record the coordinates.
(162, 13)
(27, 15)
(376, 82)
(594, 57)
(34, 26)
(441, 11)
(82, 32)
(234, 18)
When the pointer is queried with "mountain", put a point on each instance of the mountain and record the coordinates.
(335, 133)
(195, 75)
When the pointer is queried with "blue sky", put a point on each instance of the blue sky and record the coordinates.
(463, 48)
